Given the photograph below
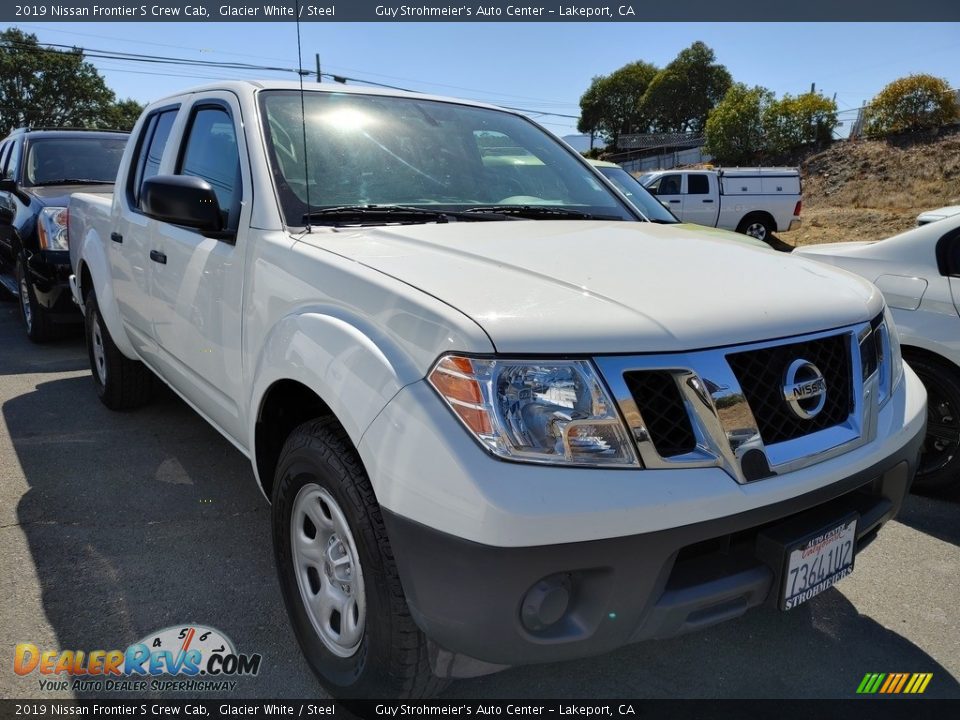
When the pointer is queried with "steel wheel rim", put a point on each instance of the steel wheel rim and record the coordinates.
(99, 354)
(25, 304)
(942, 441)
(757, 230)
(327, 567)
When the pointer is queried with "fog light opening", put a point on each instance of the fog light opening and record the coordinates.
(546, 603)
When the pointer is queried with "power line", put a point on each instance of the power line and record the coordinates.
(490, 93)
(190, 62)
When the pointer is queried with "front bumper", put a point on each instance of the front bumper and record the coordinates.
(640, 553)
(471, 599)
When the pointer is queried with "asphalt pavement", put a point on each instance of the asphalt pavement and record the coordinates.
(116, 525)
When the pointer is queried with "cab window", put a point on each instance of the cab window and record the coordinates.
(210, 152)
(11, 164)
(666, 185)
(4, 151)
(156, 132)
(697, 185)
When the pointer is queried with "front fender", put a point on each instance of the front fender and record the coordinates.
(355, 371)
(93, 257)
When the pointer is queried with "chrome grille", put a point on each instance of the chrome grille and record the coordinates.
(761, 376)
(719, 407)
(667, 420)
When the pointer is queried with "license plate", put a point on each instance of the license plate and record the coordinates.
(818, 562)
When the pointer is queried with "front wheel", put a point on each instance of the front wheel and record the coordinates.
(36, 320)
(337, 572)
(939, 468)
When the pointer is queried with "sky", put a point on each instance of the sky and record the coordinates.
(536, 66)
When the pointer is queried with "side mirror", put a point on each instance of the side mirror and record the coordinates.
(182, 200)
(652, 190)
(8, 185)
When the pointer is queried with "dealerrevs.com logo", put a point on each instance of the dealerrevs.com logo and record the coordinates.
(185, 658)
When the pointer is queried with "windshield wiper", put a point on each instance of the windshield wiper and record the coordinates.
(379, 214)
(539, 212)
(73, 181)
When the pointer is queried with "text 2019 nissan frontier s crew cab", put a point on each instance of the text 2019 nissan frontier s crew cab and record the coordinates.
(499, 419)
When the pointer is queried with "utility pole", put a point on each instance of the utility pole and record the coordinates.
(319, 77)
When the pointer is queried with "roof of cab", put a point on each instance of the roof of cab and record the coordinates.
(241, 87)
(55, 132)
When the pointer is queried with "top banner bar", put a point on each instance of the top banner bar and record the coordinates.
(482, 11)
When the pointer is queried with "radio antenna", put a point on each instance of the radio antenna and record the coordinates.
(303, 120)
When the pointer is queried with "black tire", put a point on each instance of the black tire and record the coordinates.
(757, 225)
(122, 383)
(390, 658)
(36, 319)
(939, 468)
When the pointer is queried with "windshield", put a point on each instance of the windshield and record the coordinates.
(368, 150)
(53, 161)
(636, 193)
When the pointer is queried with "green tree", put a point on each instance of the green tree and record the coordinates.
(43, 87)
(681, 96)
(612, 105)
(122, 114)
(915, 102)
(735, 128)
(792, 122)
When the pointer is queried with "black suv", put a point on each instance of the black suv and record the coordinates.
(39, 170)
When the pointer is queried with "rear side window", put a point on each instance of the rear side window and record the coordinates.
(697, 185)
(211, 153)
(153, 140)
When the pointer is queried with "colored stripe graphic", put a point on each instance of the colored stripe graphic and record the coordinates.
(891, 680)
(894, 683)
(903, 681)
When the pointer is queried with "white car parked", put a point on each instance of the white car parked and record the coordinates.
(919, 274)
(929, 216)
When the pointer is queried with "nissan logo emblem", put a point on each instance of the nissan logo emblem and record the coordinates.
(804, 389)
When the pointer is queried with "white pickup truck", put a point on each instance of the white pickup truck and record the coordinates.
(500, 421)
(753, 201)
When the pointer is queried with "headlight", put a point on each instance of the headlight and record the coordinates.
(541, 411)
(890, 356)
(52, 229)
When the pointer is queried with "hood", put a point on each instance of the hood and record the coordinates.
(59, 195)
(585, 287)
(722, 234)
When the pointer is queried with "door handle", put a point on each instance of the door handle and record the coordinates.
(708, 201)
(674, 201)
(116, 237)
(158, 257)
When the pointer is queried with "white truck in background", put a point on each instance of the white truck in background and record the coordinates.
(752, 201)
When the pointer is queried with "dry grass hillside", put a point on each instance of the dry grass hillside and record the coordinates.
(872, 189)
